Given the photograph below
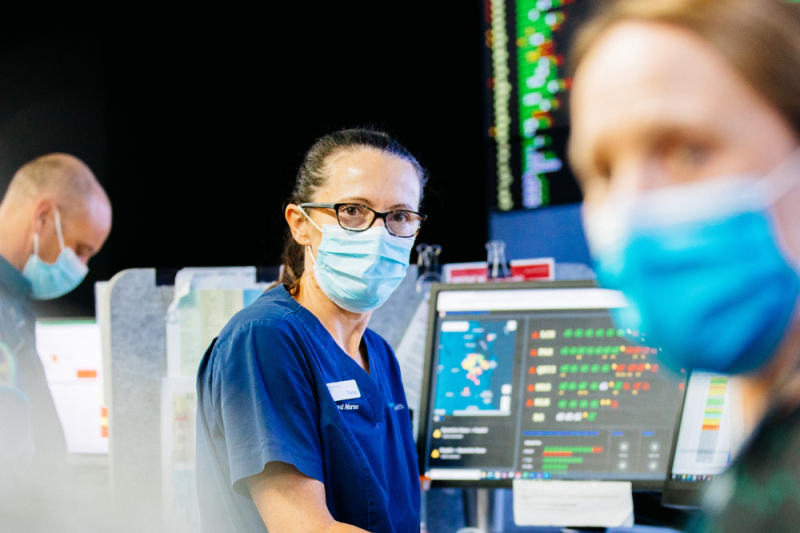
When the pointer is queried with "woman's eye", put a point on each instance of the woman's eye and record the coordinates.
(400, 216)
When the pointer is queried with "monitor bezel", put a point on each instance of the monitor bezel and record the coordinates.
(681, 494)
(436, 288)
(66, 320)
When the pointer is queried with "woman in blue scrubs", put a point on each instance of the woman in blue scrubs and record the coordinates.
(303, 424)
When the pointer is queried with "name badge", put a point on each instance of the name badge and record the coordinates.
(344, 390)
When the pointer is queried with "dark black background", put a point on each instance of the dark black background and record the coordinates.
(195, 118)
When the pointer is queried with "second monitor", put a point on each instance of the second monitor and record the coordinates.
(529, 381)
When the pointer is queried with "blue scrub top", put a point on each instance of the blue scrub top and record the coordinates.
(263, 396)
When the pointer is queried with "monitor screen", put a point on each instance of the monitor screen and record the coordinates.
(71, 353)
(535, 381)
(527, 97)
(711, 431)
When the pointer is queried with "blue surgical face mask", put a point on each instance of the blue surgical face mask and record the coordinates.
(701, 267)
(358, 271)
(57, 279)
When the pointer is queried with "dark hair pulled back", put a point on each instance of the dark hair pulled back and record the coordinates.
(311, 177)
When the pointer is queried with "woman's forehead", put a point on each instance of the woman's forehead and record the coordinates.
(370, 174)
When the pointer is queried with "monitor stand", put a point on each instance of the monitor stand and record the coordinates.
(484, 510)
(480, 510)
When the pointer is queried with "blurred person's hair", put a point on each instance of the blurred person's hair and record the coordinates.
(312, 176)
(760, 39)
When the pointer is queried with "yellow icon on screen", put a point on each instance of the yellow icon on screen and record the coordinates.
(435, 454)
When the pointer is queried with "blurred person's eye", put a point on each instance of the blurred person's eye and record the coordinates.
(691, 156)
(686, 159)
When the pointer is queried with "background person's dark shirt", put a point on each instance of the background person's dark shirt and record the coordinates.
(35, 450)
(760, 492)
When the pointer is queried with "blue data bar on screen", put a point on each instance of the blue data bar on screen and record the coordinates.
(561, 433)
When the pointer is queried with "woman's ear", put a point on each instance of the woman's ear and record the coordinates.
(298, 224)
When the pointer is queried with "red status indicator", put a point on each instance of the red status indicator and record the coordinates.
(644, 350)
(570, 451)
(636, 368)
(557, 454)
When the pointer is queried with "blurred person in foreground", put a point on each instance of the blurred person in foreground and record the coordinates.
(54, 217)
(686, 127)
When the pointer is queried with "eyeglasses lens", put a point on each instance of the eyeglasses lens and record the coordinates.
(355, 217)
(358, 218)
(403, 223)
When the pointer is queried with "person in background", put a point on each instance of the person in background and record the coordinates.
(686, 141)
(53, 218)
(302, 421)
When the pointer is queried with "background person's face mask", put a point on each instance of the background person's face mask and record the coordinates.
(701, 266)
(57, 279)
(358, 271)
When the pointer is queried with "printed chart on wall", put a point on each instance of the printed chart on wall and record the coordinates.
(179, 492)
(205, 300)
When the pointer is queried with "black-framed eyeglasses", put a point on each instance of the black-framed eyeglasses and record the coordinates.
(357, 217)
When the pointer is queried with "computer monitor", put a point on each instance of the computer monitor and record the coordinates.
(534, 380)
(71, 353)
(710, 433)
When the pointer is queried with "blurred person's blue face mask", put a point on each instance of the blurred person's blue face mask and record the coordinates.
(358, 271)
(702, 268)
(57, 279)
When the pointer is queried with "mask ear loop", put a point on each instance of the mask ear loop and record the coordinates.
(309, 218)
(315, 225)
(59, 233)
(784, 178)
(781, 181)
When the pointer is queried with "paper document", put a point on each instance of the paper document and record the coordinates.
(205, 300)
(179, 493)
(573, 503)
(71, 354)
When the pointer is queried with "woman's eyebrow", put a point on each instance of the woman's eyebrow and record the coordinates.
(362, 201)
(367, 203)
